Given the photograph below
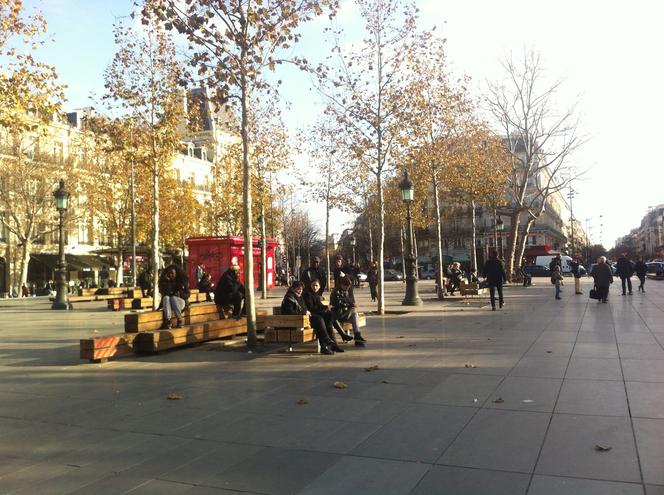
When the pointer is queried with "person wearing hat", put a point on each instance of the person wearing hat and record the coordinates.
(229, 291)
(315, 272)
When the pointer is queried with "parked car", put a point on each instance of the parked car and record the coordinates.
(428, 274)
(537, 270)
(391, 275)
(565, 262)
(656, 267)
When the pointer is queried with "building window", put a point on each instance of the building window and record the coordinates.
(532, 240)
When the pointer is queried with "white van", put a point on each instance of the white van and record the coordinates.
(565, 262)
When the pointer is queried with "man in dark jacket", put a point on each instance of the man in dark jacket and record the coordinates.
(341, 269)
(625, 270)
(556, 261)
(603, 278)
(641, 269)
(494, 273)
(315, 272)
(229, 291)
(577, 272)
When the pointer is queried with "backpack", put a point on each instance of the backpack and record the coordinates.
(553, 281)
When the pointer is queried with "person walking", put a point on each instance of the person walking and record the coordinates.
(640, 268)
(372, 280)
(603, 277)
(577, 271)
(315, 272)
(557, 280)
(494, 273)
(625, 270)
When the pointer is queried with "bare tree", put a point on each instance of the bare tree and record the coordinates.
(539, 138)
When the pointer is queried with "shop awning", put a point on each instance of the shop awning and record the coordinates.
(74, 262)
(537, 250)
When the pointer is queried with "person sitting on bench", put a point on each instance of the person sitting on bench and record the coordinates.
(315, 305)
(230, 292)
(174, 290)
(343, 308)
(294, 304)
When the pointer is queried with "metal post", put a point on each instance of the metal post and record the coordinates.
(61, 282)
(412, 297)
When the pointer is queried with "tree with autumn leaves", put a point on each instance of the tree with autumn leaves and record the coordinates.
(233, 45)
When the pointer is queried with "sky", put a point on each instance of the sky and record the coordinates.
(607, 52)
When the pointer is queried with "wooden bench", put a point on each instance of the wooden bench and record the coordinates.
(118, 304)
(472, 289)
(294, 329)
(142, 334)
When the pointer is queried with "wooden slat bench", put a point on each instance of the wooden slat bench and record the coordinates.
(472, 289)
(101, 349)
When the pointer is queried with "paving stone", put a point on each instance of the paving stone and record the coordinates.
(503, 440)
(526, 394)
(462, 390)
(594, 369)
(640, 351)
(569, 448)
(541, 367)
(649, 435)
(466, 481)
(596, 350)
(556, 485)
(654, 489)
(643, 370)
(367, 476)
(646, 400)
(424, 430)
(593, 397)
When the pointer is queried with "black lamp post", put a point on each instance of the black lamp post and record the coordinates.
(352, 245)
(412, 297)
(499, 227)
(61, 203)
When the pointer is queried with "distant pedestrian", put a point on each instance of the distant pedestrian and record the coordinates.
(525, 274)
(625, 270)
(455, 277)
(24, 291)
(200, 270)
(494, 273)
(145, 281)
(372, 280)
(603, 277)
(577, 271)
(641, 269)
(557, 280)
(205, 285)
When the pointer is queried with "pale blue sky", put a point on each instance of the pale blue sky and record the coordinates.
(608, 51)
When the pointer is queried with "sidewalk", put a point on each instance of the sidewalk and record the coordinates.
(541, 397)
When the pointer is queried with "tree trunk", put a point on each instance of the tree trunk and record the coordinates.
(521, 246)
(439, 239)
(249, 303)
(263, 255)
(473, 240)
(381, 246)
(371, 251)
(514, 230)
(26, 248)
(119, 274)
(327, 241)
(155, 226)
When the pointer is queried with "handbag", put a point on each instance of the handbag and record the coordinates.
(594, 293)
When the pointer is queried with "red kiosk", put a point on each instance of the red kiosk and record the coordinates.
(218, 253)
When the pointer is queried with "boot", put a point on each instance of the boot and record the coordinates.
(326, 350)
(165, 325)
(335, 347)
(180, 322)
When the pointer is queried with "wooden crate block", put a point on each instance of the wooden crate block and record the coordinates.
(103, 348)
(285, 321)
(149, 342)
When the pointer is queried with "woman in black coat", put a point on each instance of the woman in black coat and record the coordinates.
(316, 307)
(640, 268)
(603, 277)
(174, 290)
(294, 304)
(343, 308)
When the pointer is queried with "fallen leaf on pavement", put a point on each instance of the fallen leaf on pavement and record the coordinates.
(499, 400)
(549, 352)
(411, 345)
(173, 396)
(470, 365)
(372, 368)
(385, 381)
(302, 402)
(340, 385)
(602, 448)
(401, 337)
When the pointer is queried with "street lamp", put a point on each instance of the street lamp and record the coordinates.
(352, 245)
(498, 227)
(61, 203)
(412, 297)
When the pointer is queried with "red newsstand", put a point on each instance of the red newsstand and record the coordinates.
(218, 253)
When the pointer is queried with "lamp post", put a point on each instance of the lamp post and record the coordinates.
(353, 241)
(61, 203)
(499, 226)
(412, 297)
